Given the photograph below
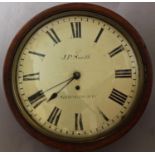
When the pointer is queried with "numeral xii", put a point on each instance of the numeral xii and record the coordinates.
(76, 29)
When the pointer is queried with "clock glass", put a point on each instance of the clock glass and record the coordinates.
(77, 76)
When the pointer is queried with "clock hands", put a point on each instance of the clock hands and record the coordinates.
(76, 76)
(54, 95)
(58, 84)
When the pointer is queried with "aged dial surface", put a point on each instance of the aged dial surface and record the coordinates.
(76, 77)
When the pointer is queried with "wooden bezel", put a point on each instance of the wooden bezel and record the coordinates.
(87, 146)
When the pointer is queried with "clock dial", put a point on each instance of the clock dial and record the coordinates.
(77, 77)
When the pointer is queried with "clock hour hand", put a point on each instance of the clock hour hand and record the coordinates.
(76, 75)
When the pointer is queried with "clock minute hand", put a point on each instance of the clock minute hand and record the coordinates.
(58, 84)
(76, 76)
(54, 95)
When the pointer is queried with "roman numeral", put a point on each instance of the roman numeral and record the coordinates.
(123, 73)
(98, 36)
(38, 54)
(103, 115)
(78, 122)
(118, 96)
(116, 51)
(54, 116)
(52, 34)
(33, 76)
(37, 98)
(76, 29)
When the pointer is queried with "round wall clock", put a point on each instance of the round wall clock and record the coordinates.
(77, 76)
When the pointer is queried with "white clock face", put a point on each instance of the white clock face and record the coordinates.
(76, 77)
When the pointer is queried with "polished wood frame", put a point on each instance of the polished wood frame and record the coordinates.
(86, 146)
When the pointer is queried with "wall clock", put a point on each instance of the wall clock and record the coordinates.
(77, 76)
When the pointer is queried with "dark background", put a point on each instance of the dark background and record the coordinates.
(14, 15)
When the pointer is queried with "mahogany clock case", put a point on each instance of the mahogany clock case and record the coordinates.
(68, 146)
